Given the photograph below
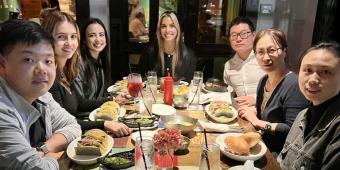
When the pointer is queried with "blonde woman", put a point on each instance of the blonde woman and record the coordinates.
(169, 55)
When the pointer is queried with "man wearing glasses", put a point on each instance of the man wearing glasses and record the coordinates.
(242, 71)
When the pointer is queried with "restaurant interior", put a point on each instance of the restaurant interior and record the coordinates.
(204, 24)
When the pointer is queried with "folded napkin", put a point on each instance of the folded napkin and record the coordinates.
(215, 96)
(214, 127)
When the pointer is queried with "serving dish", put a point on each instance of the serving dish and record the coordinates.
(121, 160)
(221, 112)
(185, 123)
(143, 121)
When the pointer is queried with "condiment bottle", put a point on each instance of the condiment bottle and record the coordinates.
(168, 84)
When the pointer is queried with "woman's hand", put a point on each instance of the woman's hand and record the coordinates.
(248, 113)
(245, 101)
(117, 129)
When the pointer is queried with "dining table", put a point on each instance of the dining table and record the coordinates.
(191, 159)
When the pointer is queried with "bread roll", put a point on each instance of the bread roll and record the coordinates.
(252, 138)
(237, 145)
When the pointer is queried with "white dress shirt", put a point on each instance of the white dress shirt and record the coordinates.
(243, 75)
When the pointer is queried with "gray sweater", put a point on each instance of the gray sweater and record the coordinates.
(16, 117)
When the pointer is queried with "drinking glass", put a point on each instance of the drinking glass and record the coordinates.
(134, 84)
(195, 90)
(144, 154)
(210, 157)
(145, 104)
(152, 81)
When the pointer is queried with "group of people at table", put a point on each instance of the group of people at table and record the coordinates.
(46, 84)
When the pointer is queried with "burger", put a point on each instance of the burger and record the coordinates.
(241, 145)
(93, 142)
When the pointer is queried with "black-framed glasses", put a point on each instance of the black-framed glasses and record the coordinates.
(243, 35)
(269, 51)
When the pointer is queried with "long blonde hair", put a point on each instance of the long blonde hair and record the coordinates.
(70, 70)
(177, 57)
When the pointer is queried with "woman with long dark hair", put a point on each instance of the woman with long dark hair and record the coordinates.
(94, 71)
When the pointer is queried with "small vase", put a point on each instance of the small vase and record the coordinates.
(165, 159)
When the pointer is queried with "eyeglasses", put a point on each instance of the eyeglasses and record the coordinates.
(243, 35)
(269, 51)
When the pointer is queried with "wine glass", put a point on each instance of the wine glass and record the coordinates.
(134, 85)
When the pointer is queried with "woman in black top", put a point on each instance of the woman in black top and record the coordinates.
(169, 54)
(94, 72)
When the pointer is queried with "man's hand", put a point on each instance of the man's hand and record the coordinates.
(117, 129)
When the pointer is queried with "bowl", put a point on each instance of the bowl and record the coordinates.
(215, 85)
(185, 123)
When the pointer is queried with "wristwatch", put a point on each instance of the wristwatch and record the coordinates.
(42, 148)
(267, 127)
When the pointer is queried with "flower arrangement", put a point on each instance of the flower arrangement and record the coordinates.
(168, 139)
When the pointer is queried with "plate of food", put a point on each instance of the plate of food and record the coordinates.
(119, 86)
(221, 112)
(163, 109)
(242, 147)
(94, 144)
(146, 134)
(121, 160)
(215, 85)
(110, 110)
(144, 122)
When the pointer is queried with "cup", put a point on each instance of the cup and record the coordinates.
(144, 154)
(194, 94)
(145, 103)
(210, 157)
(152, 81)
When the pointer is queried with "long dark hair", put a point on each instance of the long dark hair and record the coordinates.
(103, 58)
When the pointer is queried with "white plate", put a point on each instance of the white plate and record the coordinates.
(240, 167)
(163, 109)
(255, 153)
(122, 112)
(229, 88)
(221, 120)
(85, 159)
(146, 134)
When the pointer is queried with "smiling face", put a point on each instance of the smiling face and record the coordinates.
(319, 76)
(269, 54)
(29, 69)
(95, 39)
(66, 40)
(241, 45)
(168, 29)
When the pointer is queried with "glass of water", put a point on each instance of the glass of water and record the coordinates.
(144, 154)
(210, 157)
(152, 81)
(195, 90)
